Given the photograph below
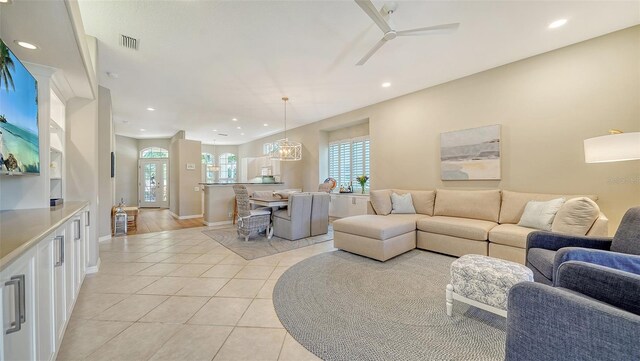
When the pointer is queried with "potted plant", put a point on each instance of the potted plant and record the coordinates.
(362, 180)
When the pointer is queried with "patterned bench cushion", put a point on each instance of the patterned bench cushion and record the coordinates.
(487, 279)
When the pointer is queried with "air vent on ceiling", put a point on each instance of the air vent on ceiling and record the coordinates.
(128, 42)
(223, 135)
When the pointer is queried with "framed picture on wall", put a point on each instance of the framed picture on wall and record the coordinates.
(471, 154)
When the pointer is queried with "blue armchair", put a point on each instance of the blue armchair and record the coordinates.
(546, 250)
(592, 314)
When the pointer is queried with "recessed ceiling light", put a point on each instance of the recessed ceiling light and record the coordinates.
(241, 133)
(265, 124)
(386, 84)
(142, 130)
(215, 130)
(239, 127)
(26, 45)
(235, 119)
(151, 109)
(5, 1)
(558, 23)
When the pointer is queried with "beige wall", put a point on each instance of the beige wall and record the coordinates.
(127, 170)
(106, 184)
(184, 199)
(189, 152)
(547, 105)
(354, 131)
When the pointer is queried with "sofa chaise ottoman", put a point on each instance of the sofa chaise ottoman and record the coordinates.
(376, 237)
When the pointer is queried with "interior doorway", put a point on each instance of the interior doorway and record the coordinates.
(153, 183)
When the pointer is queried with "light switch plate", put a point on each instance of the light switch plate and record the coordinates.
(191, 166)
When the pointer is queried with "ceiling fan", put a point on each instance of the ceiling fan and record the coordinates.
(390, 33)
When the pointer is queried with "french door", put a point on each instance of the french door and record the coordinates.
(153, 183)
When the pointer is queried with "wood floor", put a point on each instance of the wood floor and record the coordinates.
(157, 220)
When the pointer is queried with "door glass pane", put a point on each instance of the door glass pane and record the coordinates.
(150, 182)
(164, 182)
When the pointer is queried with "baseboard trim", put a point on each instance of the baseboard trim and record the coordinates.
(185, 217)
(104, 238)
(213, 224)
(94, 269)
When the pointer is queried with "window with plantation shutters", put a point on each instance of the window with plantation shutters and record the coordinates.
(349, 159)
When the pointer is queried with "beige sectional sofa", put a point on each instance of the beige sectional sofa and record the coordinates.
(459, 222)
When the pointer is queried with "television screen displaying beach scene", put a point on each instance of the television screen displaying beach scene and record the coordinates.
(19, 142)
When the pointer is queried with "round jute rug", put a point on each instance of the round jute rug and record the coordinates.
(342, 306)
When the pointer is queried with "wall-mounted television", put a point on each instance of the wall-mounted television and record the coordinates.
(19, 140)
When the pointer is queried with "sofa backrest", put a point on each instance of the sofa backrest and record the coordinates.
(484, 204)
(423, 201)
(513, 203)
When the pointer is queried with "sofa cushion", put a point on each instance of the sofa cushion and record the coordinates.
(474, 229)
(402, 203)
(542, 260)
(513, 203)
(576, 216)
(540, 215)
(483, 205)
(510, 235)
(381, 201)
(422, 200)
(374, 226)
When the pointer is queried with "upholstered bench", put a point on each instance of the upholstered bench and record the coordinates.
(484, 282)
(376, 237)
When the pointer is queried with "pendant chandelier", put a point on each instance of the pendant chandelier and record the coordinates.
(284, 149)
(213, 167)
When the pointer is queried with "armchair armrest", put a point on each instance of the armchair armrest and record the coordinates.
(620, 261)
(554, 241)
(617, 288)
(546, 323)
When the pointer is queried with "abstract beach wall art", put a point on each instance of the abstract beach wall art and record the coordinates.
(471, 154)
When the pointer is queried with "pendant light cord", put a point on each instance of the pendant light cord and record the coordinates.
(285, 116)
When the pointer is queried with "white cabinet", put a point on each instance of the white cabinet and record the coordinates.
(347, 205)
(47, 252)
(17, 289)
(40, 288)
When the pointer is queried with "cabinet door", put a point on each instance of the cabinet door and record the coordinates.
(45, 300)
(17, 288)
(339, 206)
(358, 205)
(69, 264)
(59, 285)
(78, 240)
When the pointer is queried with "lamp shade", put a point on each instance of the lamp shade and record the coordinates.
(612, 148)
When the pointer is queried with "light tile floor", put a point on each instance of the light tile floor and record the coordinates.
(178, 295)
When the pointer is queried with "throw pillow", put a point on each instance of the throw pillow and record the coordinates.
(402, 204)
(540, 215)
(576, 216)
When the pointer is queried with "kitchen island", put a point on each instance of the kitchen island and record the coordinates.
(219, 200)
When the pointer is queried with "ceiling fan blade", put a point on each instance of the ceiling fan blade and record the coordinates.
(374, 14)
(430, 30)
(375, 48)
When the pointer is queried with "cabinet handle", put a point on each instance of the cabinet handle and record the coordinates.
(19, 303)
(77, 235)
(61, 255)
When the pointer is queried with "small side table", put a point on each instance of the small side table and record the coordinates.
(132, 218)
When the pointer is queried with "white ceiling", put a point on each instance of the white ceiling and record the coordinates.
(202, 63)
